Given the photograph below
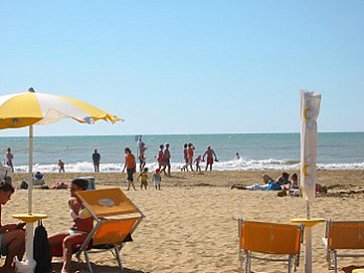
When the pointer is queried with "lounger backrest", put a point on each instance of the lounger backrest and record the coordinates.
(107, 202)
(346, 235)
(114, 231)
(270, 238)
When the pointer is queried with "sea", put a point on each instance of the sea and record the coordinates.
(278, 151)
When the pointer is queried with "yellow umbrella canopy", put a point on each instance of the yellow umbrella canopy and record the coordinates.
(30, 108)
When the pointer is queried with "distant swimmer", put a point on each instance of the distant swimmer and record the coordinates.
(237, 156)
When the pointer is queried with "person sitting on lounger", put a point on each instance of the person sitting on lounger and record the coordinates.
(38, 178)
(269, 185)
(82, 225)
(12, 236)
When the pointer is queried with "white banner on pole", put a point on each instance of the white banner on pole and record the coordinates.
(310, 108)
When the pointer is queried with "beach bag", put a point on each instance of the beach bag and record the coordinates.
(42, 252)
(23, 185)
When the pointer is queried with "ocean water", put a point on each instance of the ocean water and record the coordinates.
(257, 151)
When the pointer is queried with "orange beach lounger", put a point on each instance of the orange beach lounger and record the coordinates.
(116, 218)
(269, 238)
(343, 235)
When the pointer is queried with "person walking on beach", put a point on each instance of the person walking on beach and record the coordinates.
(156, 177)
(142, 148)
(143, 178)
(190, 153)
(130, 166)
(160, 158)
(9, 159)
(61, 166)
(166, 160)
(12, 236)
(185, 147)
(96, 157)
(210, 153)
(197, 162)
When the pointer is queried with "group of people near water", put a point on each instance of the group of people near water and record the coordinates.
(164, 163)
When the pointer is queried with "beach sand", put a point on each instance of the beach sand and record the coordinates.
(191, 224)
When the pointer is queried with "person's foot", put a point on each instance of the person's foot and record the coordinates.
(232, 187)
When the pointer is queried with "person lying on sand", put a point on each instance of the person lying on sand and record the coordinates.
(269, 185)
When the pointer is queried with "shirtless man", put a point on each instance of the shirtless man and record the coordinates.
(210, 153)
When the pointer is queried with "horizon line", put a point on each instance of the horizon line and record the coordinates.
(196, 134)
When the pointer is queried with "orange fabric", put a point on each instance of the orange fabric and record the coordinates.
(106, 202)
(130, 161)
(346, 235)
(270, 238)
(114, 231)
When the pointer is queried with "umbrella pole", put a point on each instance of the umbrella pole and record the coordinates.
(30, 171)
(30, 263)
(308, 241)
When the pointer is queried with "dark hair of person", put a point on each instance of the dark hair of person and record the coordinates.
(6, 187)
(81, 183)
(285, 175)
(127, 150)
(294, 176)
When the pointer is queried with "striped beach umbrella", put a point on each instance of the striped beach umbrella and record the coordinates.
(32, 108)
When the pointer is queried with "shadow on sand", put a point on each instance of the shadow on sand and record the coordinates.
(349, 269)
(82, 268)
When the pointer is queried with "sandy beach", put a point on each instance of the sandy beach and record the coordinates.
(191, 224)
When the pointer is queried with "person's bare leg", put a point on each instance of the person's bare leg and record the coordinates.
(238, 186)
(68, 243)
(14, 241)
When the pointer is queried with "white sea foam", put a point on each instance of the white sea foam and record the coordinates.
(231, 165)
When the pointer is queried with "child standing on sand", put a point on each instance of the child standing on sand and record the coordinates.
(143, 178)
(157, 179)
(197, 162)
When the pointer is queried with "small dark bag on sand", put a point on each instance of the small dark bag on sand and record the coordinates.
(42, 253)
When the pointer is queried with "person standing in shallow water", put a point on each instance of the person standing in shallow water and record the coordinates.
(96, 157)
(61, 166)
(130, 166)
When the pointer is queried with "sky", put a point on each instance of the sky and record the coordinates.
(188, 67)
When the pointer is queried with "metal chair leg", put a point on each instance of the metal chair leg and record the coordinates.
(247, 262)
(117, 255)
(335, 262)
(290, 264)
(88, 262)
